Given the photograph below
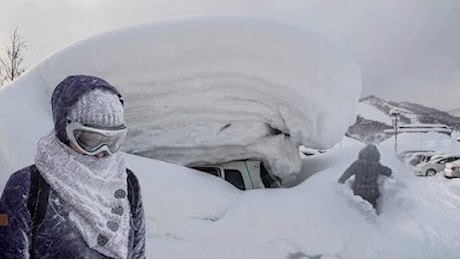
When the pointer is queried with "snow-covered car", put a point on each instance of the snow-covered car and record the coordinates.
(415, 157)
(436, 164)
(452, 169)
(224, 99)
(244, 175)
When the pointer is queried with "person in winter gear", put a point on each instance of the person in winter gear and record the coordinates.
(367, 170)
(88, 213)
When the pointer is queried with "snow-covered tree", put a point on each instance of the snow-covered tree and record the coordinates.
(12, 58)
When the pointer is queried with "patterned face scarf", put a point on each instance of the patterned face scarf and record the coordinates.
(95, 189)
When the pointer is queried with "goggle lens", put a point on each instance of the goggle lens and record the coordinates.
(91, 141)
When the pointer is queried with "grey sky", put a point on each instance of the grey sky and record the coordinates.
(408, 50)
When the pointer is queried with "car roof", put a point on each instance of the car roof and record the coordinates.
(455, 163)
(418, 151)
(443, 156)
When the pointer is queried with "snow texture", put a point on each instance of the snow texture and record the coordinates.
(215, 89)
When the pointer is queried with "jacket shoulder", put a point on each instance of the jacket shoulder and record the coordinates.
(20, 178)
(16, 191)
(357, 165)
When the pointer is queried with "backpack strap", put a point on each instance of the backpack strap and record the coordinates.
(133, 191)
(33, 191)
(37, 201)
(38, 197)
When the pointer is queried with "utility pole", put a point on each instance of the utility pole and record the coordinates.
(395, 114)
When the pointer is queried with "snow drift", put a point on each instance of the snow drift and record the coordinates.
(214, 89)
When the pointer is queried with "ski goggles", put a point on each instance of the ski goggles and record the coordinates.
(91, 140)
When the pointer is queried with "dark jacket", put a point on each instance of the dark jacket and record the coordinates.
(56, 237)
(366, 170)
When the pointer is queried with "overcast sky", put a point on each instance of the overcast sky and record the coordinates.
(407, 50)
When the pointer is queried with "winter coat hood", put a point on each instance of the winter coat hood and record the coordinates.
(67, 93)
(369, 153)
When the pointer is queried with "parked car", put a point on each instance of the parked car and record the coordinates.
(244, 175)
(415, 157)
(436, 164)
(419, 158)
(452, 169)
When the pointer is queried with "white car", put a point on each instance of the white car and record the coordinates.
(452, 169)
(415, 157)
(244, 175)
(435, 165)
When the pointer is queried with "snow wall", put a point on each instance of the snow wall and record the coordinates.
(202, 90)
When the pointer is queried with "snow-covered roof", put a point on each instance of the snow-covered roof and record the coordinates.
(419, 125)
(421, 128)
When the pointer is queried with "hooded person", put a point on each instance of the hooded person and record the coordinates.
(366, 170)
(88, 213)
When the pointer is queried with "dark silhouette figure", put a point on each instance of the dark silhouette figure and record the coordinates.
(367, 170)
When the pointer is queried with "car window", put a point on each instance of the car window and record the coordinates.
(449, 160)
(235, 178)
(211, 170)
(268, 181)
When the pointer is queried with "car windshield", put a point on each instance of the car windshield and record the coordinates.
(235, 178)
(455, 163)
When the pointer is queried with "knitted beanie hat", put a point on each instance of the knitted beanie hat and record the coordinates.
(99, 108)
(71, 90)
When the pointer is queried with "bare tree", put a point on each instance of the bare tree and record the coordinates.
(11, 63)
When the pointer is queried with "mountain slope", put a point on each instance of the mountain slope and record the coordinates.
(373, 118)
(455, 112)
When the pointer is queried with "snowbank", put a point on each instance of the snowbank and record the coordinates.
(212, 89)
(194, 215)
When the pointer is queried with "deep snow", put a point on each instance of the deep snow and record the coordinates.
(215, 89)
(194, 215)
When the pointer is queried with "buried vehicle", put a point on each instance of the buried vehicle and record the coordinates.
(223, 98)
(244, 174)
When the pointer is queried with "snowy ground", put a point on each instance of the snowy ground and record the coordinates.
(193, 215)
